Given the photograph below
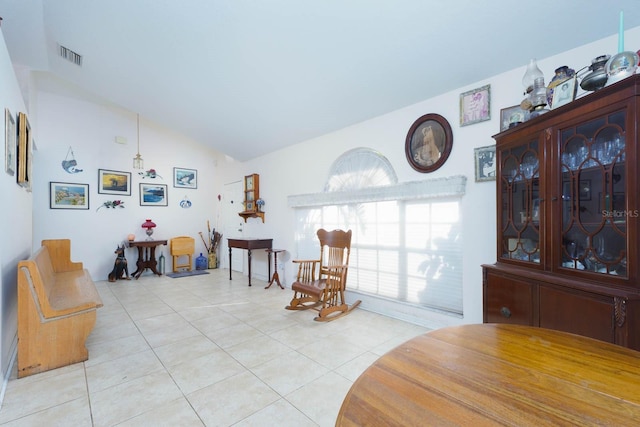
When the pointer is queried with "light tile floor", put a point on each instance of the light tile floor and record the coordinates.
(205, 351)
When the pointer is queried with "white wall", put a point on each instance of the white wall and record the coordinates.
(15, 217)
(91, 130)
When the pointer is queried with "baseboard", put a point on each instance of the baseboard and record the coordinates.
(7, 373)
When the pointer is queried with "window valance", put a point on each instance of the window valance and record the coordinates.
(453, 186)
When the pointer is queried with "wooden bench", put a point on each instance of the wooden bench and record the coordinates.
(57, 302)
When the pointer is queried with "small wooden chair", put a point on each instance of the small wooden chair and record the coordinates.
(182, 246)
(326, 292)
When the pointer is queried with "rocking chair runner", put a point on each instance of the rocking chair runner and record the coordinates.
(326, 292)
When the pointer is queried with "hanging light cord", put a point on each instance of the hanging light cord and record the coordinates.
(138, 116)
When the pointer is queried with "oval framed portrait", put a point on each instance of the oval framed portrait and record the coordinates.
(428, 143)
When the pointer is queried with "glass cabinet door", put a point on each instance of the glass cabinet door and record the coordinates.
(593, 183)
(521, 215)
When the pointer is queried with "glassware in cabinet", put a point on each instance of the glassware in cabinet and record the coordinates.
(520, 198)
(593, 187)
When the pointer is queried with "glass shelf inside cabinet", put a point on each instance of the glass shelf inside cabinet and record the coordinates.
(521, 203)
(594, 211)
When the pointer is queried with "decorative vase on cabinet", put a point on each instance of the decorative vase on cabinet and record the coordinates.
(568, 220)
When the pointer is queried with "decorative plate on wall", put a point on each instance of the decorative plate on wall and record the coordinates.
(428, 143)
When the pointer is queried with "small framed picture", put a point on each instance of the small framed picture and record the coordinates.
(153, 195)
(114, 182)
(512, 116)
(23, 155)
(485, 161)
(185, 178)
(67, 195)
(564, 93)
(9, 143)
(475, 106)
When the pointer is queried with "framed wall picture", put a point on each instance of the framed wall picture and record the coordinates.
(23, 155)
(428, 143)
(67, 195)
(485, 162)
(564, 93)
(475, 106)
(512, 116)
(153, 195)
(9, 143)
(185, 178)
(114, 182)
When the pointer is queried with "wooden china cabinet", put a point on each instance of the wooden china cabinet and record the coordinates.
(568, 219)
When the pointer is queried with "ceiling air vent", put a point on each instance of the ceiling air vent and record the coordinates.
(70, 55)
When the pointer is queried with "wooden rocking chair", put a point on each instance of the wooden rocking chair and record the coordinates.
(324, 292)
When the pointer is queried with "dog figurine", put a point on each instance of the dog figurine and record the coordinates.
(120, 267)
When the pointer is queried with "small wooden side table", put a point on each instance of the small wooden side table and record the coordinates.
(275, 277)
(250, 244)
(146, 256)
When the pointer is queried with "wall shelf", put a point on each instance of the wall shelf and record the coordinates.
(251, 214)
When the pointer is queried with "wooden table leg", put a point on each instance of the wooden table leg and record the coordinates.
(139, 263)
(249, 261)
(152, 262)
(229, 262)
(275, 277)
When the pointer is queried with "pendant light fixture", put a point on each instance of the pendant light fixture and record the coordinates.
(138, 162)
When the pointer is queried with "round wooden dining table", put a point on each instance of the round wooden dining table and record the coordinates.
(497, 374)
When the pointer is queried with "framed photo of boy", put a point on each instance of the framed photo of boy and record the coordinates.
(67, 195)
(475, 106)
(114, 182)
(185, 178)
(153, 195)
(564, 93)
(485, 161)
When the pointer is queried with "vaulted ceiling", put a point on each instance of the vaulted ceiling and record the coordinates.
(250, 77)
